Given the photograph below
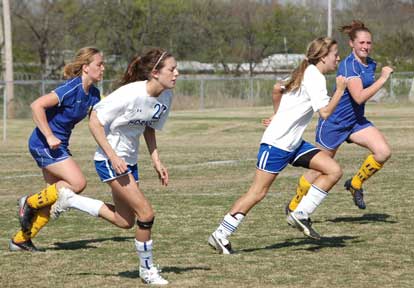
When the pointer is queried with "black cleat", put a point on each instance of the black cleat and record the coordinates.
(305, 225)
(218, 244)
(357, 194)
(24, 246)
(26, 214)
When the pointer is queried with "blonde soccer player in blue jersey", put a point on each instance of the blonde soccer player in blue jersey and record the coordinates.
(55, 115)
(282, 144)
(348, 122)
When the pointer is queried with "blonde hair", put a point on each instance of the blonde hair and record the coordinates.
(83, 57)
(317, 49)
(353, 28)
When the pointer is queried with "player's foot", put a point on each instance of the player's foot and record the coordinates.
(357, 194)
(62, 203)
(151, 276)
(304, 225)
(223, 246)
(24, 246)
(26, 214)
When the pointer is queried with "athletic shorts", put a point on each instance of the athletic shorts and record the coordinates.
(46, 156)
(274, 160)
(107, 173)
(331, 135)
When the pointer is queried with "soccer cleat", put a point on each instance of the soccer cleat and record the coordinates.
(220, 245)
(151, 276)
(62, 203)
(305, 225)
(24, 246)
(26, 214)
(357, 194)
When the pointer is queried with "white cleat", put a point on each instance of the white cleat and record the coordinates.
(223, 246)
(151, 276)
(62, 203)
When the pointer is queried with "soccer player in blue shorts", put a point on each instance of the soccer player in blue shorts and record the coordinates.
(55, 115)
(282, 144)
(348, 122)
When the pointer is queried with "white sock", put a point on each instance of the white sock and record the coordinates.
(85, 204)
(310, 202)
(144, 250)
(229, 225)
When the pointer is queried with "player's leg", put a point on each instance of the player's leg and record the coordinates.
(305, 183)
(330, 173)
(231, 221)
(130, 201)
(372, 139)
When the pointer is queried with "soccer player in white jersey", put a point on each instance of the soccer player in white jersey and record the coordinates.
(348, 122)
(282, 144)
(138, 107)
(55, 115)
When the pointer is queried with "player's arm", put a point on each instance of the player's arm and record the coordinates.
(277, 93)
(98, 132)
(149, 135)
(39, 107)
(326, 111)
(361, 95)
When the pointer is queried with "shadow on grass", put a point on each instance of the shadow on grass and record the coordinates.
(325, 242)
(171, 269)
(87, 244)
(365, 219)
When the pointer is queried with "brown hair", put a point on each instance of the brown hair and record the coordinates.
(83, 57)
(140, 67)
(353, 28)
(317, 49)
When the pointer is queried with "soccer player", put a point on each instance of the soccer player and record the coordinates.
(55, 115)
(138, 107)
(348, 122)
(282, 144)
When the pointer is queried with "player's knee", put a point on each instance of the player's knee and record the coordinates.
(78, 186)
(384, 154)
(145, 224)
(335, 172)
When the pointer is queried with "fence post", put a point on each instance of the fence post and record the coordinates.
(4, 115)
(201, 94)
(251, 89)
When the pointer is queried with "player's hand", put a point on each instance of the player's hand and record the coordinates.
(341, 83)
(266, 122)
(118, 164)
(53, 142)
(386, 71)
(162, 173)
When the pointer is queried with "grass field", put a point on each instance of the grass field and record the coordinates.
(211, 158)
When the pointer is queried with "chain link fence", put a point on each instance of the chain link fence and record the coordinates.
(201, 92)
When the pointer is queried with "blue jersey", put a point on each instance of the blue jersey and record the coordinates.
(348, 111)
(74, 105)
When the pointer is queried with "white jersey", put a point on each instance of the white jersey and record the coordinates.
(295, 111)
(125, 113)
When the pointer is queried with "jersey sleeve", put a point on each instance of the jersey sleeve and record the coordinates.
(349, 69)
(166, 101)
(65, 92)
(111, 107)
(315, 85)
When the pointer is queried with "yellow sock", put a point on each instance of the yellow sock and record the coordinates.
(301, 190)
(44, 198)
(368, 168)
(41, 219)
(21, 237)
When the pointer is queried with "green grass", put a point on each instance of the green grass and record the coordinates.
(370, 248)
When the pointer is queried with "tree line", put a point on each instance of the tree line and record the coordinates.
(47, 32)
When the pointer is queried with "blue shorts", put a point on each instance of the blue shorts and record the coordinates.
(46, 156)
(331, 135)
(274, 160)
(107, 173)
